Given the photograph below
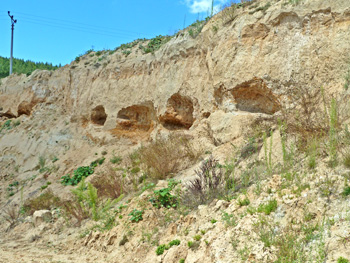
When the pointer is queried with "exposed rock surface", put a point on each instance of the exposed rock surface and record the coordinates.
(211, 88)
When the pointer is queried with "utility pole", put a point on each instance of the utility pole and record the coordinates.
(13, 22)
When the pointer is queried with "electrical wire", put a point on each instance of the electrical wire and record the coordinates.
(71, 25)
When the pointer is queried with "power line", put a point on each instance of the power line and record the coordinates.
(79, 28)
(72, 23)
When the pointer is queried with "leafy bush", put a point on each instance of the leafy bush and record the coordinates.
(160, 249)
(136, 215)
(164, 198)
(78, 175)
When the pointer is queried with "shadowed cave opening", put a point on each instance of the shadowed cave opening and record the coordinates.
(98, 115)
(179, 113)
(136, 117)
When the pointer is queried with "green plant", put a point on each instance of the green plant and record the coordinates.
(136, 215)
(78, 175)
(213, 221)
(77, 59)
(346, 191)
(155, 43)
(190, 244)
(342, 260)
(268, 208)
(182, 260)
(160, 249)
(197, 237)
(347, 80)
(243, 202)
(229, 219)
(116, 159)
(164, 198)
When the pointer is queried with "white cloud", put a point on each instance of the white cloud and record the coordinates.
(204, 6)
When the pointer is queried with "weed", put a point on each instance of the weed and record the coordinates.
(342, 260)
(155, 43)
(243, 202)
(136, 215)
(161, 248)
(333, 136)
(229, 219)
(213, 221)
(164, 157)
(196, 28)
(268, 208)
(197, 237)
(110, 184)
(164, 198)
(261, 8)
(116, 159)
(78, 175)
(228, 14)
(346, 191)
(182, 260)
(347, 80)
(209, 184)
(11, 215)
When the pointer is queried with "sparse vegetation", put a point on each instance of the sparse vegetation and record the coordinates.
(164, 157)
(136, 215)
(78, 175)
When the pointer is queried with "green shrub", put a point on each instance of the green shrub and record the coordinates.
(78, 175)
(197, 237)
(160, 250)
(136, 215)
(342, 260)
(182, 260)
(346, 191)
(164, 198)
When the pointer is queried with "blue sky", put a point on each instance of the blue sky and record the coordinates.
(58, 31)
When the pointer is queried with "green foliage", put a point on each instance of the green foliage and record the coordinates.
(155, 43)
(164, 198)
(21, 66)
(116, 159)
(213, 221)
(268, 208)
(78, 175)
(243, 202)
(229, 219)
(182, 260)
(342, 260)
(346, 191)
(195, 29)
(197, 237)
(6, 126)
(161, 248)
(136, 215)
(190, 244)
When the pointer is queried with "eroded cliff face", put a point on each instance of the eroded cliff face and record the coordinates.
(211, 87)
